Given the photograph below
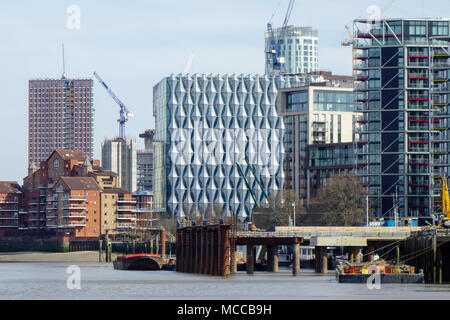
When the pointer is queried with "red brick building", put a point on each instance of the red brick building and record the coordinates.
(10, 202)
(74, 208)
(73, 198)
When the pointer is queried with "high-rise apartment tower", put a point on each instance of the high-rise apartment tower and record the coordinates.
(402, 69)
(298, 47)
(60, 116)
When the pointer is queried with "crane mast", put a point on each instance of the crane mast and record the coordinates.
(273, 55)
(124, 113)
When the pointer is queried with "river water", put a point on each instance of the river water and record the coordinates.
(101, 281)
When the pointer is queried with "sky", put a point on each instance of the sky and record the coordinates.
(134, 44)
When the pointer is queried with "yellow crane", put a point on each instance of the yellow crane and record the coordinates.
(445, 203)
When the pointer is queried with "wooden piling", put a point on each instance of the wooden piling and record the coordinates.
(296, 259)
(250, 258)
(435, 261)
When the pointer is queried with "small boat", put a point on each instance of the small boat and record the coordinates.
(388, 273)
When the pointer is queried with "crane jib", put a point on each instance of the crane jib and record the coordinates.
(123, 109)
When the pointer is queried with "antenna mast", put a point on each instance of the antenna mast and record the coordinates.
(64, 63)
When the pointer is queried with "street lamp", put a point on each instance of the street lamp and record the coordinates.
(293, 208)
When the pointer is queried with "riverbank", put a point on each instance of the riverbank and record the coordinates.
(77, 256)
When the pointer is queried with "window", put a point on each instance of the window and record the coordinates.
(417, 28)
(440, 28)
(56, 164)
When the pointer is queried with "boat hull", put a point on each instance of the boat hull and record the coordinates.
(384, 278)
(138, 262)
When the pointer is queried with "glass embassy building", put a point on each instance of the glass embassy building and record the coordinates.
(218, 143)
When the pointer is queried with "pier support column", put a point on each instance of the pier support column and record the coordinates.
(100, 244)
(250, 259)
(296, 259)
(272, 258)
(435, 261)
(321, 260)
(269, 259)
(439, 265)
(354, 254)
(369, 257)
(233, 260)
(162, 238)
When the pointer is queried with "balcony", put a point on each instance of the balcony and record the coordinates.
(76, 199)
(74, 216)
(444, 65)
(418, 76)
(361, 65)
(8, 218)
(418, 97)
(120, 208)
(418, 63)
(126, 217)
(125, 226)
(74, 207)
(9, 210)
(65, 226)
(122, 200)
(9, 226)
(143, 210)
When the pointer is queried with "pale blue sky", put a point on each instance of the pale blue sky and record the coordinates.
(134, 44)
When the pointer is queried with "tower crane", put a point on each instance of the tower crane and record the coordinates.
(272, 54)
(125, 114)
(351, 40)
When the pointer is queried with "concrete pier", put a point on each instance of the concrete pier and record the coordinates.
(207, 250)
(250, 259)
(252, 239)
(272, 258)
(370, 254)
(295, 259)
(321, 259)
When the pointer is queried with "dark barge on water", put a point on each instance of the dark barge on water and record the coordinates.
(388, 273)
(143, 261)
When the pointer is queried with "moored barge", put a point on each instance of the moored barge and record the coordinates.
(388, 273)
(143, 261)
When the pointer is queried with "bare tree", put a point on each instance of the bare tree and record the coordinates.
(342, 201)
(278, 210)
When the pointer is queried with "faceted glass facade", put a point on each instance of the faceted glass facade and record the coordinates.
(208, 129)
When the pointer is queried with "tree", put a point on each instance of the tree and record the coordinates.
(342, 201)
(278, 210)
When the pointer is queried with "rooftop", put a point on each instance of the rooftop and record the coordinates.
(10, 187)
(68, 154)
(80, 183)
